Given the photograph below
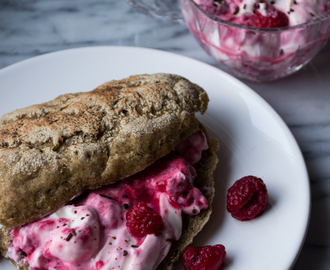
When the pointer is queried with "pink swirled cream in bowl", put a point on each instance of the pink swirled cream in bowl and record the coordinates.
(259, 40)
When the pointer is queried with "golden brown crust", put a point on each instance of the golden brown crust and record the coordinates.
(53, 151)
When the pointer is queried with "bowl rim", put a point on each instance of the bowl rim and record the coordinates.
(263, 30)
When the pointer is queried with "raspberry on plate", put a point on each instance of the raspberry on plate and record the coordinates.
(204, 258)
(142, 220)
(247, 198)
(273, 18)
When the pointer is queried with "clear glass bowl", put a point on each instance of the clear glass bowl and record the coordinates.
(256, 54)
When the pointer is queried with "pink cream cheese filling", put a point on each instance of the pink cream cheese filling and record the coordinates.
(90, 232)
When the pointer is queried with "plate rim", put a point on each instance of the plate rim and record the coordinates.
(243, 87)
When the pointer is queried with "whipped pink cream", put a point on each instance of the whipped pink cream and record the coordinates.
(90, 232)
(240, 11)
(254, 54)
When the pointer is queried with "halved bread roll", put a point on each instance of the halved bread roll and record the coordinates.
(52, 152)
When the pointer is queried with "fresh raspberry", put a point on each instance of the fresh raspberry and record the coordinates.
(204, 258)
(247, 198)
(273, 19)
(142, 220)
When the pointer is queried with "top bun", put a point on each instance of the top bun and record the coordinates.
(53, 151)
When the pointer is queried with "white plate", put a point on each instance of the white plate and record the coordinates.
(253, 140)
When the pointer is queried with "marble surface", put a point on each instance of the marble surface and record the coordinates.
(34, 27)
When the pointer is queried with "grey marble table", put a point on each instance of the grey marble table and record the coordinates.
(34, 27)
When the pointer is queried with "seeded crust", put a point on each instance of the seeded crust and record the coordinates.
(53, 151)
(192, 225)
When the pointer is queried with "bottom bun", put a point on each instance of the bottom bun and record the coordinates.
(192, 225)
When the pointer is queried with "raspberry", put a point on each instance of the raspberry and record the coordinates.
(247, 198)
(273, 19)
(142, 220)
(204, 258)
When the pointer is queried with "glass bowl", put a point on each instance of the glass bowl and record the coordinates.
(256, 54)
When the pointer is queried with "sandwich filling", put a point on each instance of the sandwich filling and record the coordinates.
(92, 231)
